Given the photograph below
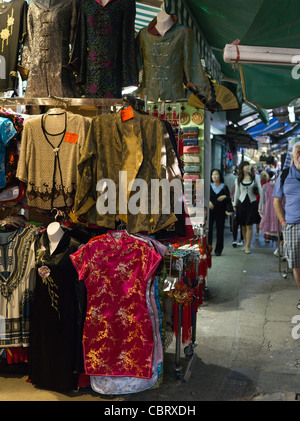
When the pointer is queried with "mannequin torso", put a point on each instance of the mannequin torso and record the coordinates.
(103, 2)
(163, 22)
(55, 233)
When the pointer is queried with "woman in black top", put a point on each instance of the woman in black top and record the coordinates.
(219, 199)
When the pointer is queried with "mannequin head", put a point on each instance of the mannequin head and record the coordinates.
(163, 22)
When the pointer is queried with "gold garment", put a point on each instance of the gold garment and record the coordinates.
(165, 60)
(140, 146)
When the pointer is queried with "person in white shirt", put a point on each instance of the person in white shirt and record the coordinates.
(245, 203)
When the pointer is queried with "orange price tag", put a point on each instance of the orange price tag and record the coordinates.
(127, 114)
(71, 137)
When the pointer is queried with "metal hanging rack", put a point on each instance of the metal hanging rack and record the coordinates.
(179, 263)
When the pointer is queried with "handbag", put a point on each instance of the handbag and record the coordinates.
(229, 208)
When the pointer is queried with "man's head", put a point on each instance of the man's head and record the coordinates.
(296, 155)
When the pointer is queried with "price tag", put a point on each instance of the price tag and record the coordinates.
(71, 137)
(127, 114)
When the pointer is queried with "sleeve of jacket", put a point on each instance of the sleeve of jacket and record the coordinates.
(78, 57)
(236, 193)
(27, 42)
(129, 59)
(193, 69)
(24, 156)
(85, 197)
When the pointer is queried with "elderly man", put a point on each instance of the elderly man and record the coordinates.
(289, 215)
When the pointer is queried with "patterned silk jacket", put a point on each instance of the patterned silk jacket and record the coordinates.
(165, 60)
(51, 28)
(140, 147)
(104, 51)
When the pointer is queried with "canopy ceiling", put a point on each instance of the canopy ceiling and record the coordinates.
(264, 91)
(271, 23)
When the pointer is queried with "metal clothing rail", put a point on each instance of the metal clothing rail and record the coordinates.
(179, 263)
(69, 102)
(281, 259)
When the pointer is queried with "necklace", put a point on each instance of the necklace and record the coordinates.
(56, 158)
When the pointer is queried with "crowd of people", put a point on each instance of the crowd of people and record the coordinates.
(267, 199)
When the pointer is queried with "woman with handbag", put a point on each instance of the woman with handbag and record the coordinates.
(245, 203)
(219, 204)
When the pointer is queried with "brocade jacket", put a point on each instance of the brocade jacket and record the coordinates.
(51, 29)
(142, 147)
(165, 60)
(104, 53)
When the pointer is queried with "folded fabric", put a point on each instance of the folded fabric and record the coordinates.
(191, 149)
(191, 159)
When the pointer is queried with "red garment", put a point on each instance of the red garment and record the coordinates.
(118, 333)
(15, 355)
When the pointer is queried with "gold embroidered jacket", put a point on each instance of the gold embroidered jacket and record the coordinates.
(141, 147)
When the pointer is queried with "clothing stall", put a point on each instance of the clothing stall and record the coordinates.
(99, 269)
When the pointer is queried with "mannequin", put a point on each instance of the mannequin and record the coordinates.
(164, 22)
(102, 2)
(55, 233)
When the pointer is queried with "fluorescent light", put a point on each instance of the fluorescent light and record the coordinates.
(292, 116)
(129, 90)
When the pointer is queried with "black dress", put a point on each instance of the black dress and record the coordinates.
(56, 318)
(247, 212)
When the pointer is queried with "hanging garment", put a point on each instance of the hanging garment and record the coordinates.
(54, 340)
(121, 385)
(165, 60)
(51, 26)
(48, 159)
(138, 147)
(104, 51)
(7, 133)
(118, 334)
(13, 17)
(12, 149)
(16, 284)
(269, 221)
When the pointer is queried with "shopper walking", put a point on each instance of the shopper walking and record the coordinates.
(258, 217)
(289, 214)
(245, 203)
(218, 205)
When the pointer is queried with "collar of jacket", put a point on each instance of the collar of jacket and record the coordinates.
(49, 5)
(137, 118)
(152, 29)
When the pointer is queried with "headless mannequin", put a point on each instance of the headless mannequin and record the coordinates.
(55, 233)
(163, 22)
(54, 121)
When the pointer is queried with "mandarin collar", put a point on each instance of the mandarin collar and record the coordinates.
(152, 29)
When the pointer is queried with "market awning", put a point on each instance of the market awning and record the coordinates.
(237, 138)
(268, 23)
(144, 15)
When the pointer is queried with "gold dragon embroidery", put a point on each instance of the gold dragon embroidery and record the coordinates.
(7, 32)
